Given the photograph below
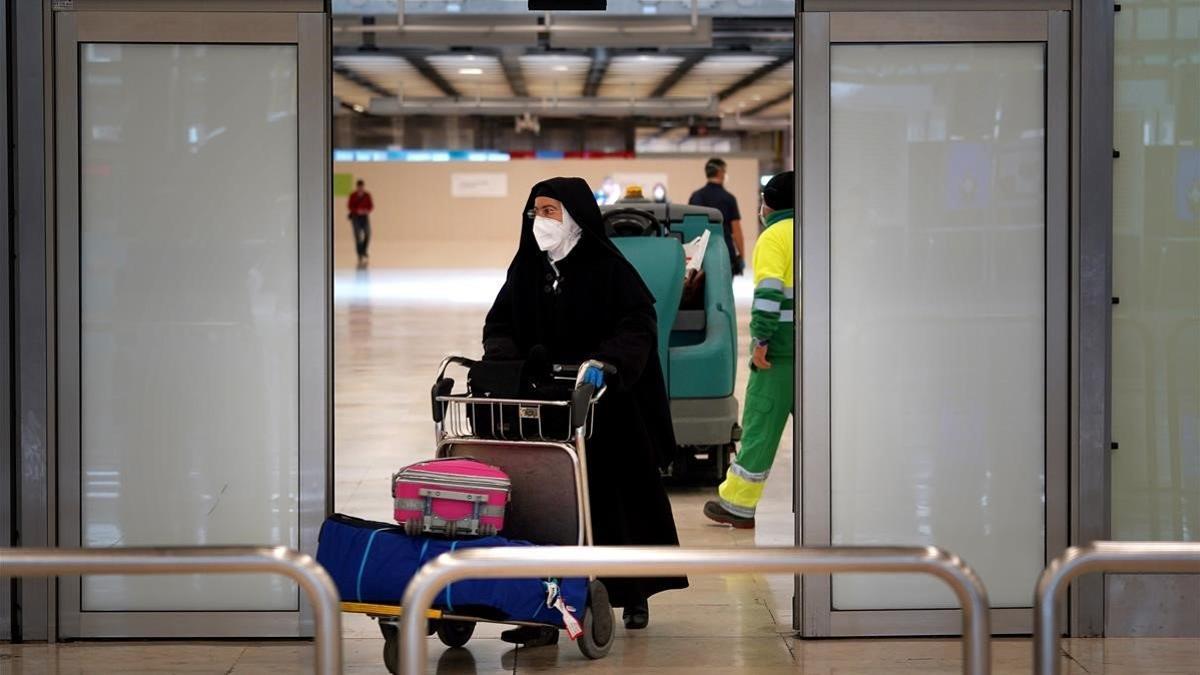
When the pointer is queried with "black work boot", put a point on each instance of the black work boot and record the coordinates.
(718, 513)
(531, 636)
(637, 616)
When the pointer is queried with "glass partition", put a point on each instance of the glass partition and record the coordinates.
(1156, 272)
(189, 301)
(937, 303)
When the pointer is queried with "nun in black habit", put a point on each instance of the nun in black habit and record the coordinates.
(571, 291)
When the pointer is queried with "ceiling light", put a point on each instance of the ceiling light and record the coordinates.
(643, 57)
(470, 71)
(470, 57)
(358, 108)
(561, 69)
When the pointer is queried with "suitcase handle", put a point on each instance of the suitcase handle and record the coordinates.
(430, 494)
(431, 461)
(438, 460)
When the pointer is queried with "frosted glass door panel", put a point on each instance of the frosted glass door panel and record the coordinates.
(1156, 273)
(937, 302)
(189, 300)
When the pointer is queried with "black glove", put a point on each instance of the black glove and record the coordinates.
(500, 349)
(537, 362)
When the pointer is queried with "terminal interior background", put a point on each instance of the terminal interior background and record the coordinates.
(941, 310)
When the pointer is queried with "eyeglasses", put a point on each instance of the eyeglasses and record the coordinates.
(548, 211)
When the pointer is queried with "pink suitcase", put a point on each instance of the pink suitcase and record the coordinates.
(456, 496)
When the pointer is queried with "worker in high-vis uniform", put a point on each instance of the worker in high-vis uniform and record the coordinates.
(770, 395)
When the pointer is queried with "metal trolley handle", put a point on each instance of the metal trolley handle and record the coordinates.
(579, 405)
(608, 368)
(586, 394)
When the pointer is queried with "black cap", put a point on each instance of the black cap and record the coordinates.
(780, 191)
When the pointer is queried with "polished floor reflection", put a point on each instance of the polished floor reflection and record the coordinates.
(653, 652)
(392, 330)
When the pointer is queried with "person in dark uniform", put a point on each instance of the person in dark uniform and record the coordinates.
(572, 296)
(715, 196)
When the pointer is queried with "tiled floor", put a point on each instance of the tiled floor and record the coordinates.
(647, 653)
(392, 330)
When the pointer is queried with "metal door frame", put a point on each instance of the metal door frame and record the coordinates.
(1091, 237)
(6, 453)
(309, 32)
(7, 513)
(815, 616)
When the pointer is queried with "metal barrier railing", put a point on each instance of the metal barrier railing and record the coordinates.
(1135, 557)
(302, 568)
(621, 561)
(1101, 556)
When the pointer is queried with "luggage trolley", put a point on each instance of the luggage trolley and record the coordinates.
(542, 445)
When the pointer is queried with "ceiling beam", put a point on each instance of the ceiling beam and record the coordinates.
(672, 78)
(757, 32)
(765, 105)
(362, 80)
(596, 71)
(755, 76)
(427, 71)
(577, 106)
(768, 49)
(349, 106)
(510, 61)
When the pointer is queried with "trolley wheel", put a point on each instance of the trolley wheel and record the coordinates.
(412, 527)
(455, 633)
(598, 624)
(390, 637)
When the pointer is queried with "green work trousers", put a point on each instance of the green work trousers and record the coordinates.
(770, 400)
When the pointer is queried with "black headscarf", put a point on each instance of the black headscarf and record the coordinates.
(578, 200)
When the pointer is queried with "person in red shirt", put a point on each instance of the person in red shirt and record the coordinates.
(360, 208)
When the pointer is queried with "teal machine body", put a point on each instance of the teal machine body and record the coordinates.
(698, 346)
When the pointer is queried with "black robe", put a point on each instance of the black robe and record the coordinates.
(599, 309)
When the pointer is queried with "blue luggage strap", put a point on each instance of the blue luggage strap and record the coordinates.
(362, 565)
(420, 563)
(449, 603)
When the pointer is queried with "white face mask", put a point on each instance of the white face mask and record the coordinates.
(555, 238)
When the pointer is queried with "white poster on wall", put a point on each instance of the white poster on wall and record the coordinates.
(478, 185)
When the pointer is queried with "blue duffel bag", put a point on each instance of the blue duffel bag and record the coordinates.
(373, 562)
